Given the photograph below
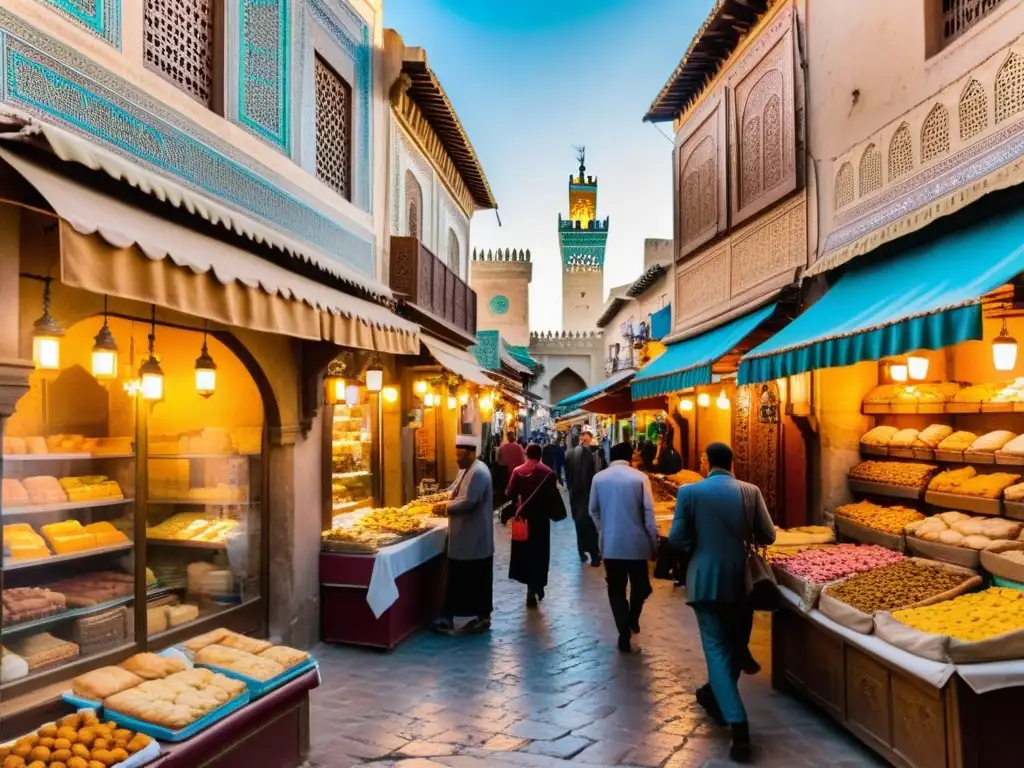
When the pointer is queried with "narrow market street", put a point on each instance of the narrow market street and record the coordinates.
(547, 687)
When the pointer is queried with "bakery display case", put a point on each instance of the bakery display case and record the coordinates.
(127, 518)
(353, 450)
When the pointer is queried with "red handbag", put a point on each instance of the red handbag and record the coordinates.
(520, 529)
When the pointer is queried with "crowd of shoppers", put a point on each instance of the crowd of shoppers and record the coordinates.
(715, 523)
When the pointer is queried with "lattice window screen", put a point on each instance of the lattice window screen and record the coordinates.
(1010, 88)
(973, 110)
(333, 129)
(901, 153)
(935, 133)
(773, 142)
(870, 170)
(414, 203)
(453, 251)
(844, 186)
(958, 16)
(178, 44)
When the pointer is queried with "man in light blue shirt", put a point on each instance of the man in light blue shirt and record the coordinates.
(622, 508)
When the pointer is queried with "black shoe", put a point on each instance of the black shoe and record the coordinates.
(442, 624)
(624, 644)
(750, 665)
(531, 600)
(634, 626)
(706, 698)
(595, 561)
(477, 625)
(540, 593)
(583, 558)
(741, 750)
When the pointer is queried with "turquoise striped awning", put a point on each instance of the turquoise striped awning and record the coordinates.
(575, 401)
(688, 363)
(927, 297)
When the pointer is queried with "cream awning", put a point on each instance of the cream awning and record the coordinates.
(458, 361)
(110, 247)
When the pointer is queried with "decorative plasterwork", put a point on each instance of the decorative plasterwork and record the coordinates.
(762, 121)
(53, 82)
(744, 268)
(409, 116)
(101, 17)
(965, 156)
(264, 69)
(701, 176)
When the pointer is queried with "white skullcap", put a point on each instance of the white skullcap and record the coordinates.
(468, 441)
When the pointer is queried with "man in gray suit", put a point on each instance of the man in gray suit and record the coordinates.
(581, 464)
(713, 520)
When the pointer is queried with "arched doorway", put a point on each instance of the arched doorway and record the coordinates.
(566, 383)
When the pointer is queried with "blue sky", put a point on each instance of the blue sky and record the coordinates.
(530, 79)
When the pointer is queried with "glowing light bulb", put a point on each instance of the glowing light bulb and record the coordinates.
(420, 387)
(1004, 350)
(452, 402)
(685, 405)
(917, 367)
(390, 395)
(898, 371)
(722, 401)
(703, 399)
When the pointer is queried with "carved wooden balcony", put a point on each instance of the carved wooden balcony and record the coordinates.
(426, 284)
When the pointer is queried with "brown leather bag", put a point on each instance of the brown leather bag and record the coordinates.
(759, 579)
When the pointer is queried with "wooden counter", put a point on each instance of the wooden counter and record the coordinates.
(908, 722)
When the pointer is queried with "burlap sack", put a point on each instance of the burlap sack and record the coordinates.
(858, 621)
(947, 649)
(807, 591)
(945, 553)
(866, 535)
(1000, 566)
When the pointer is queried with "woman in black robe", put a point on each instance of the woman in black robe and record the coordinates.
(534, 494)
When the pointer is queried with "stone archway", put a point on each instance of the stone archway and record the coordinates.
(566, 383)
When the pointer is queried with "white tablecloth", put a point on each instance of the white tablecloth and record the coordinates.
(982, 678)
(391, 562)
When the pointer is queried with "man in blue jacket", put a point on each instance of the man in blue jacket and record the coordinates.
(713, 521)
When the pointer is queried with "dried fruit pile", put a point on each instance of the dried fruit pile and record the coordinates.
(895, 586)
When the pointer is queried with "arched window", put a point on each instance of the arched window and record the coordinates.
(935, 133)
(414, 206)
(901, 153)
(454, 251)
(844, 186)
(973, 110)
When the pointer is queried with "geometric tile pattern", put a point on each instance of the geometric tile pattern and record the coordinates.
(101, 17)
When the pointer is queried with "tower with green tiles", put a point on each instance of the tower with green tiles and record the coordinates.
(501, 280)
(582, 239)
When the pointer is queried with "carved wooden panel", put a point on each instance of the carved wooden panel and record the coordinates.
(825, 672)
(867, 696)
(422, 279)
(702, 285)
(762, 121)
(701, 176)
(769, 248)
(919, 722)
(756, 445)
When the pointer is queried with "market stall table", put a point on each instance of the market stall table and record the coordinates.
(914, 712)
(378, 599)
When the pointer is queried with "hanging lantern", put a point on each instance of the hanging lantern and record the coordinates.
(206, 372)
(351, 396)
(1004, 350)
(898, 372)
(104, 351)
(452, 402)
(428, 399)
(150, 372)
(685, 405)
(486, 403)
(723, 401)
(375, 376)
(420, 387)
(703, 399)
(917, 367)
(46, 336)
(463, 397)
(390, 395)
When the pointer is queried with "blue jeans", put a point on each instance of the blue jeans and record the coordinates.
(724, 635)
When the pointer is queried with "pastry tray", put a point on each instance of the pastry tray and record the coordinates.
(1009, 459)
(1000, 407)
(74, 700)
(932, 408)
(166, 734)
(976, 504)
(904, 408)
(869, 409)
(866, 535)
(882, 489)
(139, 759)
(874, 450)
(258, 688)
(1013, 509)
(901, 452)
(975, 457)
(963, 407)
(955, 457)
(946, 553)
(924, 454)
(358, 548)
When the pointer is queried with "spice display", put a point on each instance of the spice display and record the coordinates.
(902, 473)
(885, 519)
(960, 530)
(958, 442)
(977, 616)
(830, 563)
(75, 741)
(895, 586)
(991, 441)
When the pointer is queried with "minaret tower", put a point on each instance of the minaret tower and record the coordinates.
(582, 239)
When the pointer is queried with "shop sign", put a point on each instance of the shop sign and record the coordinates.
(769, 411)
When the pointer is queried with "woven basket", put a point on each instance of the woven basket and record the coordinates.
(102, 631)
(51, 659)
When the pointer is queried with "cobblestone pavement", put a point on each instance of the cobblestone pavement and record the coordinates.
(547, 687)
